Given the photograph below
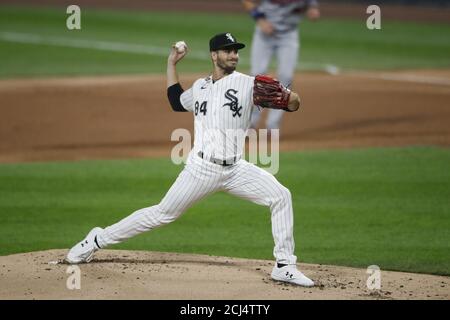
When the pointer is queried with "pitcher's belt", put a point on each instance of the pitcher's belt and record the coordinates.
(225, 163)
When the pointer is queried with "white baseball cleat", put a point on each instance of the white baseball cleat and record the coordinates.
(84, 251)
(290, 274)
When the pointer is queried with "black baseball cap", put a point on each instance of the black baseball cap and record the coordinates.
(224, 40)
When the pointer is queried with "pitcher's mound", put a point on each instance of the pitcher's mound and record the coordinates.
(119, 274)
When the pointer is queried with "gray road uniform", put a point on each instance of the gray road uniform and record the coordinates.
(284, 43)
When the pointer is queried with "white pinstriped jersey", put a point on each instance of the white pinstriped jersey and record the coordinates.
(222, 111)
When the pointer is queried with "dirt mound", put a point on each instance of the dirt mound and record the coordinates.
(118, 274)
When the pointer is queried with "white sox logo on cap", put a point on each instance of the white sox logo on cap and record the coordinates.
(222, 40)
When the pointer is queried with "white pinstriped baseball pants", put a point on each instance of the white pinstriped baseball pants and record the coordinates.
(201, 178)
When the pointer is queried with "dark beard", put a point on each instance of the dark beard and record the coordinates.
(225, 68)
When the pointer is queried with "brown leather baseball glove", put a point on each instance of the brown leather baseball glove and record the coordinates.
(270, 93)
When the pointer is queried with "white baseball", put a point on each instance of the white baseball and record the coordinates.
(180, 46)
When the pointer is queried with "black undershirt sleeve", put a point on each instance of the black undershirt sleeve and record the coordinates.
(173, 93)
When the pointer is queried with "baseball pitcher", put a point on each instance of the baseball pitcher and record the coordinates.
(221, 104)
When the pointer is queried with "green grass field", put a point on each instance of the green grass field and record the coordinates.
(347, 44)
(384, 206)
(357, 207)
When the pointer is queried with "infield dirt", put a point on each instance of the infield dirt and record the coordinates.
(125, 117)
(117, 274)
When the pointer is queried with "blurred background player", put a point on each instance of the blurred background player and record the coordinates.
(276, 32)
